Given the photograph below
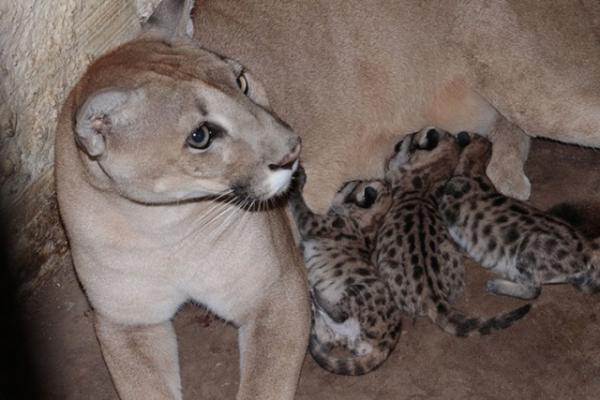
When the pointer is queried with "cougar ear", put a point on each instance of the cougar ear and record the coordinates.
(252, 87)
(171, 18)
(96, 117)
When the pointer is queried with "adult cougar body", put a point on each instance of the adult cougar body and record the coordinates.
(349, 75)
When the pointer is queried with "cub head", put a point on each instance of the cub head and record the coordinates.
(364, 202)
(431, 155)
(162, 120)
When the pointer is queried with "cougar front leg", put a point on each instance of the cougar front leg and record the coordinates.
(273, 343)
(506, 169)
(142, 359)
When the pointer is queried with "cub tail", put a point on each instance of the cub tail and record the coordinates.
(353, 365)
(461, 325)
(343, 348)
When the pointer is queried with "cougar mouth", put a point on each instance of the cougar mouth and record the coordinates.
(273, 187)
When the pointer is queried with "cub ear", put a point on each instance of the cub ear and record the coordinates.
(96, 117)
(172, 18)
(370, 195)
(432, 138)
(463, 139)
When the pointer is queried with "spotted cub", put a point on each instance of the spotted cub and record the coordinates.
(414, 253)
(527, 247)
(352, 307)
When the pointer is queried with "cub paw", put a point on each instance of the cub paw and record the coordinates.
(298, 182)
(511, 182)
(492, 286)
(300, 178)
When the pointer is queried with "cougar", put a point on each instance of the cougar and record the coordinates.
(166, 157)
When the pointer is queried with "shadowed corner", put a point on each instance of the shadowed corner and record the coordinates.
(585, 216)
(17, 376)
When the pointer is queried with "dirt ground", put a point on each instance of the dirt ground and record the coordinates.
(554, 353)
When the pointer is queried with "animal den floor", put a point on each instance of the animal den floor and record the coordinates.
(554, 353)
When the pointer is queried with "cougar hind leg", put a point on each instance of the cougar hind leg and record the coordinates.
(506, 168)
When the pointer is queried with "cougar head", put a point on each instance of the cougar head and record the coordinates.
(162, 120)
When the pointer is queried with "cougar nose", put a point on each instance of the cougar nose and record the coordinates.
(288, 161)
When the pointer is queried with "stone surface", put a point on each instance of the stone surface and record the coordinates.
(45, 46)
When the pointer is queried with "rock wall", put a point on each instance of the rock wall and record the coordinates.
(45, 46)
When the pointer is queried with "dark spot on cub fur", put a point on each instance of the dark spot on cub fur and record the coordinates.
(482, 184)
(432, 230)
(419, 288)
(499, 201)
(511, 236)
(501, 219)
(417, 182)
(487, 230)
(414, 259)
(518, 209)
(417, 272)
(551, 245)
(435, 265)
(408, 225)
(338, 223)
(398, 279)
(450, 217)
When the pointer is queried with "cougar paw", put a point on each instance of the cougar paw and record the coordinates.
(511, 182)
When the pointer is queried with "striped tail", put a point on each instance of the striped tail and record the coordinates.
(461, 325)
(351, 365)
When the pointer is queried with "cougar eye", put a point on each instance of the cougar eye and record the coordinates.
(201, 137)
(242, 82)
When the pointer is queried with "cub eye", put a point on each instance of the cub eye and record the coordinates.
(200, 138)
(242, 82)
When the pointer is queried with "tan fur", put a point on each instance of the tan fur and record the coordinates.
(346, 73)
(144, 237)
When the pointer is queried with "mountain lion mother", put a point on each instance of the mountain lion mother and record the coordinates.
(160, 123)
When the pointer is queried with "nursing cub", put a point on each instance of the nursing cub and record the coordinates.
(414, 252)
(353, 310)
(525, 246)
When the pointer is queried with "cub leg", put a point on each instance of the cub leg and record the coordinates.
(142, 359)
(307, 222)
(525, 291)
(273, 343)
(506, 168)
